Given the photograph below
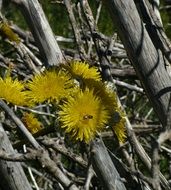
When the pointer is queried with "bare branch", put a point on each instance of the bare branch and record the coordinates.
(75, 29)
(146, 59)
(41, 31)
(63, 150)
(104, 167)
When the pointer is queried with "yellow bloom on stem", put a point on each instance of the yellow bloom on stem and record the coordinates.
(83, 115)
(50, 85)
(12, 91)
(119, 129)
(31, 122)
(82, 70)
(117, 122)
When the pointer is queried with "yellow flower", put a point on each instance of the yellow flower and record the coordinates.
(83, 116)
(117, 122)
(12, 91)
(82, 70)
(101, 90)
(119, 129)
(50, 85)
(32, 123)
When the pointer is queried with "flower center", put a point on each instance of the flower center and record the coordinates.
(87, 117)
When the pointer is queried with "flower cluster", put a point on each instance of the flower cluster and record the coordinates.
(85, 104)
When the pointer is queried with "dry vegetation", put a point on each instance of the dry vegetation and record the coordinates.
(137, 157)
